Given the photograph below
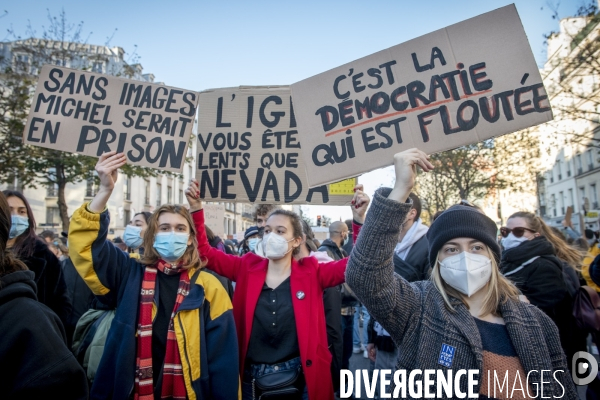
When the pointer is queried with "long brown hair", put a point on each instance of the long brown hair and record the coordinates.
(191, 257)
(8, 262)
(24, 245)
(500, 289)
(566, 253)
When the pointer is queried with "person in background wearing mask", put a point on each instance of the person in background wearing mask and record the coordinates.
(35, 362)
(175, 340)
(250, 240)
(25, 245)
(278, 305)
(261, 214)
(533, 259)
(467, 316)
(134, 233)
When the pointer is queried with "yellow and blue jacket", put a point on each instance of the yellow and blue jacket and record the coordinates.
(592, 253)
(204, 323)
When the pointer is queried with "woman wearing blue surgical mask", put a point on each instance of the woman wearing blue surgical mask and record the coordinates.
(134, 232)
(278, 308)
(24, 243)
(250, 241)
(177, 338)
(467, 316)
(542, 265)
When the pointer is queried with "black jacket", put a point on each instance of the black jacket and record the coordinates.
(49, 279)
(332, 301)
(416, 265)
(80, 296)
(541, 281)
(546, 284)
(332, 249)
(35, 361)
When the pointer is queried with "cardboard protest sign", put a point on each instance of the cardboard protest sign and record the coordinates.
(91, 114)
(249, 149)
(214, 215)
(460, 85)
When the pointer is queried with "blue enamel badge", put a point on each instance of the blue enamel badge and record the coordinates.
(446, 355)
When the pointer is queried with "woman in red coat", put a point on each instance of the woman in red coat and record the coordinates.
(278, 303)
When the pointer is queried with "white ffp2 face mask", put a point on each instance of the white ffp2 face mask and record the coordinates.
(466, 272)
(275, 246)
(511, 241)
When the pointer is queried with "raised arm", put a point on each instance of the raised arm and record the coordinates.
(101, 265)
(333, 273)
(222, 263)
(370, 272)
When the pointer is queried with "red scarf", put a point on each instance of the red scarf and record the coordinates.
(173, 384)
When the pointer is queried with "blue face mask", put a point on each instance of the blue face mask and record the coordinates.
(132, 237)
(18, 225)
(170, 245)
(252, 243)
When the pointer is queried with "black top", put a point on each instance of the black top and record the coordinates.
(166, 287)
(273, 338)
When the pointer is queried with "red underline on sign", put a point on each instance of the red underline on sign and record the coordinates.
(423, 107)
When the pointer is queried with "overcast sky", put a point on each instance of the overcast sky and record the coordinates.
(209, 44)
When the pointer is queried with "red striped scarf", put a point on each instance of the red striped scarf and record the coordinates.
(173, 384)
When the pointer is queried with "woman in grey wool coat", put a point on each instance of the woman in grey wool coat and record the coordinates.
(467, 316)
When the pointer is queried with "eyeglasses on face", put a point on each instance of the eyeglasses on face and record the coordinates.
(518, 232)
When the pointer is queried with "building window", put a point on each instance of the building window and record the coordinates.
(90, 187)
(571, 199)
(52, 190)
(52, 216)
(147, 192)
(590, 160)
(126, 217)
(561, 199)
(578, 164)
(97, 66)
(169, 194)
(568, 163)
(594, 195)
(22, 63)
(158, 194)
(127, 188)
(554, 205)
(180, 196)
(558, 164)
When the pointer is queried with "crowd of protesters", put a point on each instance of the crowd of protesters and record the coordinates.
(171, 311)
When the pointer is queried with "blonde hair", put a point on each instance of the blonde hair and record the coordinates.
(191, 257)
(568, 254)
(500, 289)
